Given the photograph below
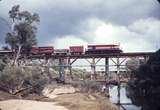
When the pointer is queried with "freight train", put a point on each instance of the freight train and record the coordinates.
(76, 50)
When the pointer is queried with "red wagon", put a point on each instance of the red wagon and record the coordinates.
(48, 50)
(76, 50)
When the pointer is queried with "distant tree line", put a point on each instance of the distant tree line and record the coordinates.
(144, 89)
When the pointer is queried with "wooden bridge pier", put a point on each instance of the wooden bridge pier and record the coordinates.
(106, 68)
(61, 70)
(69, 65)
(93, 69)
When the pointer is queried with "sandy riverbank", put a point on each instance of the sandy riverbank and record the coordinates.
(29, 105)
(63, 97)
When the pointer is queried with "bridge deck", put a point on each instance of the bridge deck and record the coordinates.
(111, 55)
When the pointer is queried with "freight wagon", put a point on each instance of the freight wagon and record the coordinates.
(48, 50)
(61, 51)
(76, 50)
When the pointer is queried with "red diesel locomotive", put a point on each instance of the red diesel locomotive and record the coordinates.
(103, 49)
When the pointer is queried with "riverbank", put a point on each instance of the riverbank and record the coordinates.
(18, 104)
(85, 101)
(63, 100)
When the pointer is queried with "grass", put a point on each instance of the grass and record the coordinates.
(84, 101)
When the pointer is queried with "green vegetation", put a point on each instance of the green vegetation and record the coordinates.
(144, 89)
(87, 86)
(23, 33)
(3, 62)
(16, 79)
(13, 78)
(79, 74)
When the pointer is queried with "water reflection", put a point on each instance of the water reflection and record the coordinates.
(123, 98)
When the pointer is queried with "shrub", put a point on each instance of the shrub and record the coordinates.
(16, 79)
(2, 65)
(3, 62)
(11, 79)
(87, 86)
(144, 89)
(35, 78)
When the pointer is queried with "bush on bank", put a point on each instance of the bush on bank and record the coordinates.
(17, 79)
(87, 86)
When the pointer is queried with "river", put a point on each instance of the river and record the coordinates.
(123, 98)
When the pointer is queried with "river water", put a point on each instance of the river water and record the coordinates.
(123, 98)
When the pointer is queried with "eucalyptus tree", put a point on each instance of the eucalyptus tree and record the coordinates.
(23, 32)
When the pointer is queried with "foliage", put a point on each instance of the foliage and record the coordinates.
(24, 28)
(78, 73)
(91, 85)
(2, 65)
(144, 90)
(10, 79)
(132, 64)
(16, 79)
(3, 62)
(87, 86)
(23, 32)
(11, 40)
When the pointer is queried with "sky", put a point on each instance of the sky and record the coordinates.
(134, 24)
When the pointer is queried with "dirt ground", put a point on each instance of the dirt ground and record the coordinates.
(84, 101)
(29, 105)
(11, 102)
(70, 101)
(6, 96)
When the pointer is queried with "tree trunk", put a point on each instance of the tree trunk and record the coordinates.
(17, 55)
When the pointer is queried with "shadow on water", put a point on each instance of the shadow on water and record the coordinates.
(113, 91)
